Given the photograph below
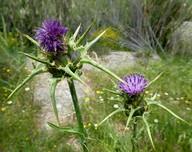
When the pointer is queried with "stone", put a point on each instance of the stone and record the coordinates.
(117, 59)
(182, 38)
(63, 99)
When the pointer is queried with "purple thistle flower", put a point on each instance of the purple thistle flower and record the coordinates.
(135, 83)
(50, 35)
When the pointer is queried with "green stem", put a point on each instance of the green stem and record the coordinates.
(134, 135)
(83, 132)
(95, 64)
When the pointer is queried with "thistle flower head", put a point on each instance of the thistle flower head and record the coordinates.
(134, 83)
(50, 35)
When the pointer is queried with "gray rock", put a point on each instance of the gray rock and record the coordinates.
(182, 38)
(63, 99)
(117, 59)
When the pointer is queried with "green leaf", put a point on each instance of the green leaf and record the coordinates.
(64, 129)
(114, 92)
(111, 114)
(72, 74)
(31, 39)
(86, 59)
(76, 32)
(90, 44)
(154, 80)
(130, 116)
(35, 58)
(54, 82)
(35, 72)
(168, 110)
(4, 27)
(148, 130)
(79, 42)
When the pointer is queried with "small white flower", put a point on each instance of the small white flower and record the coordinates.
(9, 102)
(156, 120)
(166, 94)
(158, 95)
(95, 125)
(188, 109)
(116, 106)
(101, 99)
(27, 89)
(58, 106)
(112, 98)
(23, 111)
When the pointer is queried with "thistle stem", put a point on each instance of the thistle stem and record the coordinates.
(83, 132)
(134, 137)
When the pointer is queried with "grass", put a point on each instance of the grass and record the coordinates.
(173, 91)
(20, 131)
(19, 117)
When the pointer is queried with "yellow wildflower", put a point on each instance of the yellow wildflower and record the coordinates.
(87, 91)
(8, 70)
(25, 68)
(87, 99)
(13, 39)
(84, 126)
(5, 90)
(89, 124)
(98, 92)
(27, 138)
(54, 146)
(3, 109)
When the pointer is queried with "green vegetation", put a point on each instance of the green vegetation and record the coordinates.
(19, 127)
(173, 90)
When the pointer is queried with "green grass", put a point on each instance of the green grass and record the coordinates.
(20, 131)
(19, 123)
(169, 133)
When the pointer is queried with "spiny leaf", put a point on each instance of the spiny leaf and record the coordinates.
(34, 73)
(79, 42)
(111, 114)
(35, 58)
(154, 79)
(148, 130)
(90, 44)
(130, 116)
(54, 83)
(31, 39)
(114, 92)
(95, 64)
(64, 129)
(76, 32)
(72, 74)
(168, 110)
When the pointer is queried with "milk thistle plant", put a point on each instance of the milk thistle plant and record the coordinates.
(135, 106)
(63, 57)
